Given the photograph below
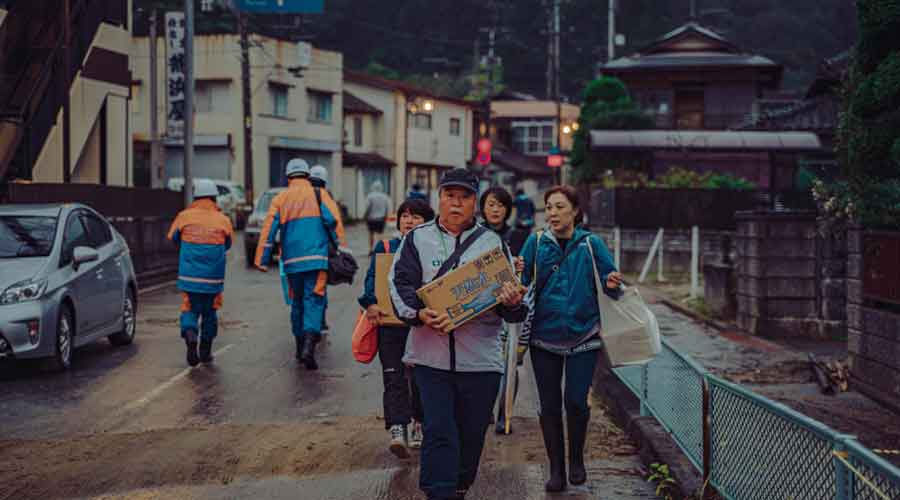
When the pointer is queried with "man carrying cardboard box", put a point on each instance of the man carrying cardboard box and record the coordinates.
(457, 371)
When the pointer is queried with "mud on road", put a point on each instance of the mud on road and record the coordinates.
(108, 463)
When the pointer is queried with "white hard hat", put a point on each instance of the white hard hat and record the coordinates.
(297, 166)
(319, 172)
(205, 188)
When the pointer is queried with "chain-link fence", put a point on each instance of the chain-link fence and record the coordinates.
(749, 447)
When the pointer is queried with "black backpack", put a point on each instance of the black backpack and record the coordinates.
(342, 266)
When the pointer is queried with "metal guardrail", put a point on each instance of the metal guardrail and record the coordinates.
(752, 448)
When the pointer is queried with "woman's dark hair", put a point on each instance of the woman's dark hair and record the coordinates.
(502, 196)
(415, 206)
(571, 195)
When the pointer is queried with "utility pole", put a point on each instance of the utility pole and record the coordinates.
(556, 88)
(550, 54)
(611, 47)
(188, 101)
(155, 181)
(693, 10)
(67, 84)
(246, 99)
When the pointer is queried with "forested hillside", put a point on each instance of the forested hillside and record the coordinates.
(424, 37)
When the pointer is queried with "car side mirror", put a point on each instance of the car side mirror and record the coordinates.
(83, 255)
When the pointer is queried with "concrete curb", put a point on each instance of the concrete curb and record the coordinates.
(655, 444)
(687, 311)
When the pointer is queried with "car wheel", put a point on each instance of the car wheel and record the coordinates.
(250, 253)
(65, 341)
(129, 322)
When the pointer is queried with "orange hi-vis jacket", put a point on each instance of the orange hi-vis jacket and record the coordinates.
(204, 236)
(302, 222)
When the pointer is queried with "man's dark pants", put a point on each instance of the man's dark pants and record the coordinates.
(458, 408)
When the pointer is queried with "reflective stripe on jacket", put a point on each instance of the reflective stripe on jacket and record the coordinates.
(203, 234)
(301, 221)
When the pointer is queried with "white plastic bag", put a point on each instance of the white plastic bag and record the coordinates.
(629, 328)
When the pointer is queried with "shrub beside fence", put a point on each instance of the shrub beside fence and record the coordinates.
(749, 447)
(653, 208)
(141, 215)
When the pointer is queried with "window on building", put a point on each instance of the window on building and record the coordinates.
(357, 131)
(319, 107)
(206, 5)
(419, 120)
(533, 138)
(279, 100)
(212, 96)
(455, 127)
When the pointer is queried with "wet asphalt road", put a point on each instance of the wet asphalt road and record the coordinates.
(135, 422)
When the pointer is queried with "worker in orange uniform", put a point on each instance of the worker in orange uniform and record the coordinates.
(203, 235)
(306, 226)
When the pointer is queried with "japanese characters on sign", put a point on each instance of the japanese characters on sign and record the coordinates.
(175, 74)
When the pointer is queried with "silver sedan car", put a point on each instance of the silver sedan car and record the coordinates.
(66, 279)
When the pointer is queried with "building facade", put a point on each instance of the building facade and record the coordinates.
(693, 80)
(295, 114)
(523, 133)
(401, 136)
(35, 138)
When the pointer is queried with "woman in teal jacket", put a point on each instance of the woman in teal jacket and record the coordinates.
(565, 334)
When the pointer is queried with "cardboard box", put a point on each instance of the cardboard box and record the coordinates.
(471, 289)
(383, 262)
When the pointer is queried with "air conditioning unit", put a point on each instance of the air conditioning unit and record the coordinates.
(304, 54)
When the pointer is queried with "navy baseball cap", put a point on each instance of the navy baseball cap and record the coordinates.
(460, 177)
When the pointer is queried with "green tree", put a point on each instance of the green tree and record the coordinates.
(869, 130)
(607, 106)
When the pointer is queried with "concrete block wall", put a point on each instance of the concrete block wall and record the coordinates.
(873, 334)
(790, 279)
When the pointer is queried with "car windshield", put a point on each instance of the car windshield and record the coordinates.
(262, 206)
(26, 236)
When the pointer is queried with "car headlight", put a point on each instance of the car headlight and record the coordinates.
(23, 292)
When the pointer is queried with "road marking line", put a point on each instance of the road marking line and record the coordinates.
(150, 396)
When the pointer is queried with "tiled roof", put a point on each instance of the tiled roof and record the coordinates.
(366, 160)
(386, 84)
(353, 104)
(529, 166)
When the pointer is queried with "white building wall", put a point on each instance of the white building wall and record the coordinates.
(218, 58)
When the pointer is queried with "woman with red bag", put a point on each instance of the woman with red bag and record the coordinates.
(400, 408)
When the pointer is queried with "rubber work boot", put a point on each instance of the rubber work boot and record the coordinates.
(308, 357)
(206, 351)
(552, 429)
(300, 341)
(190, 340)
(577, 426)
